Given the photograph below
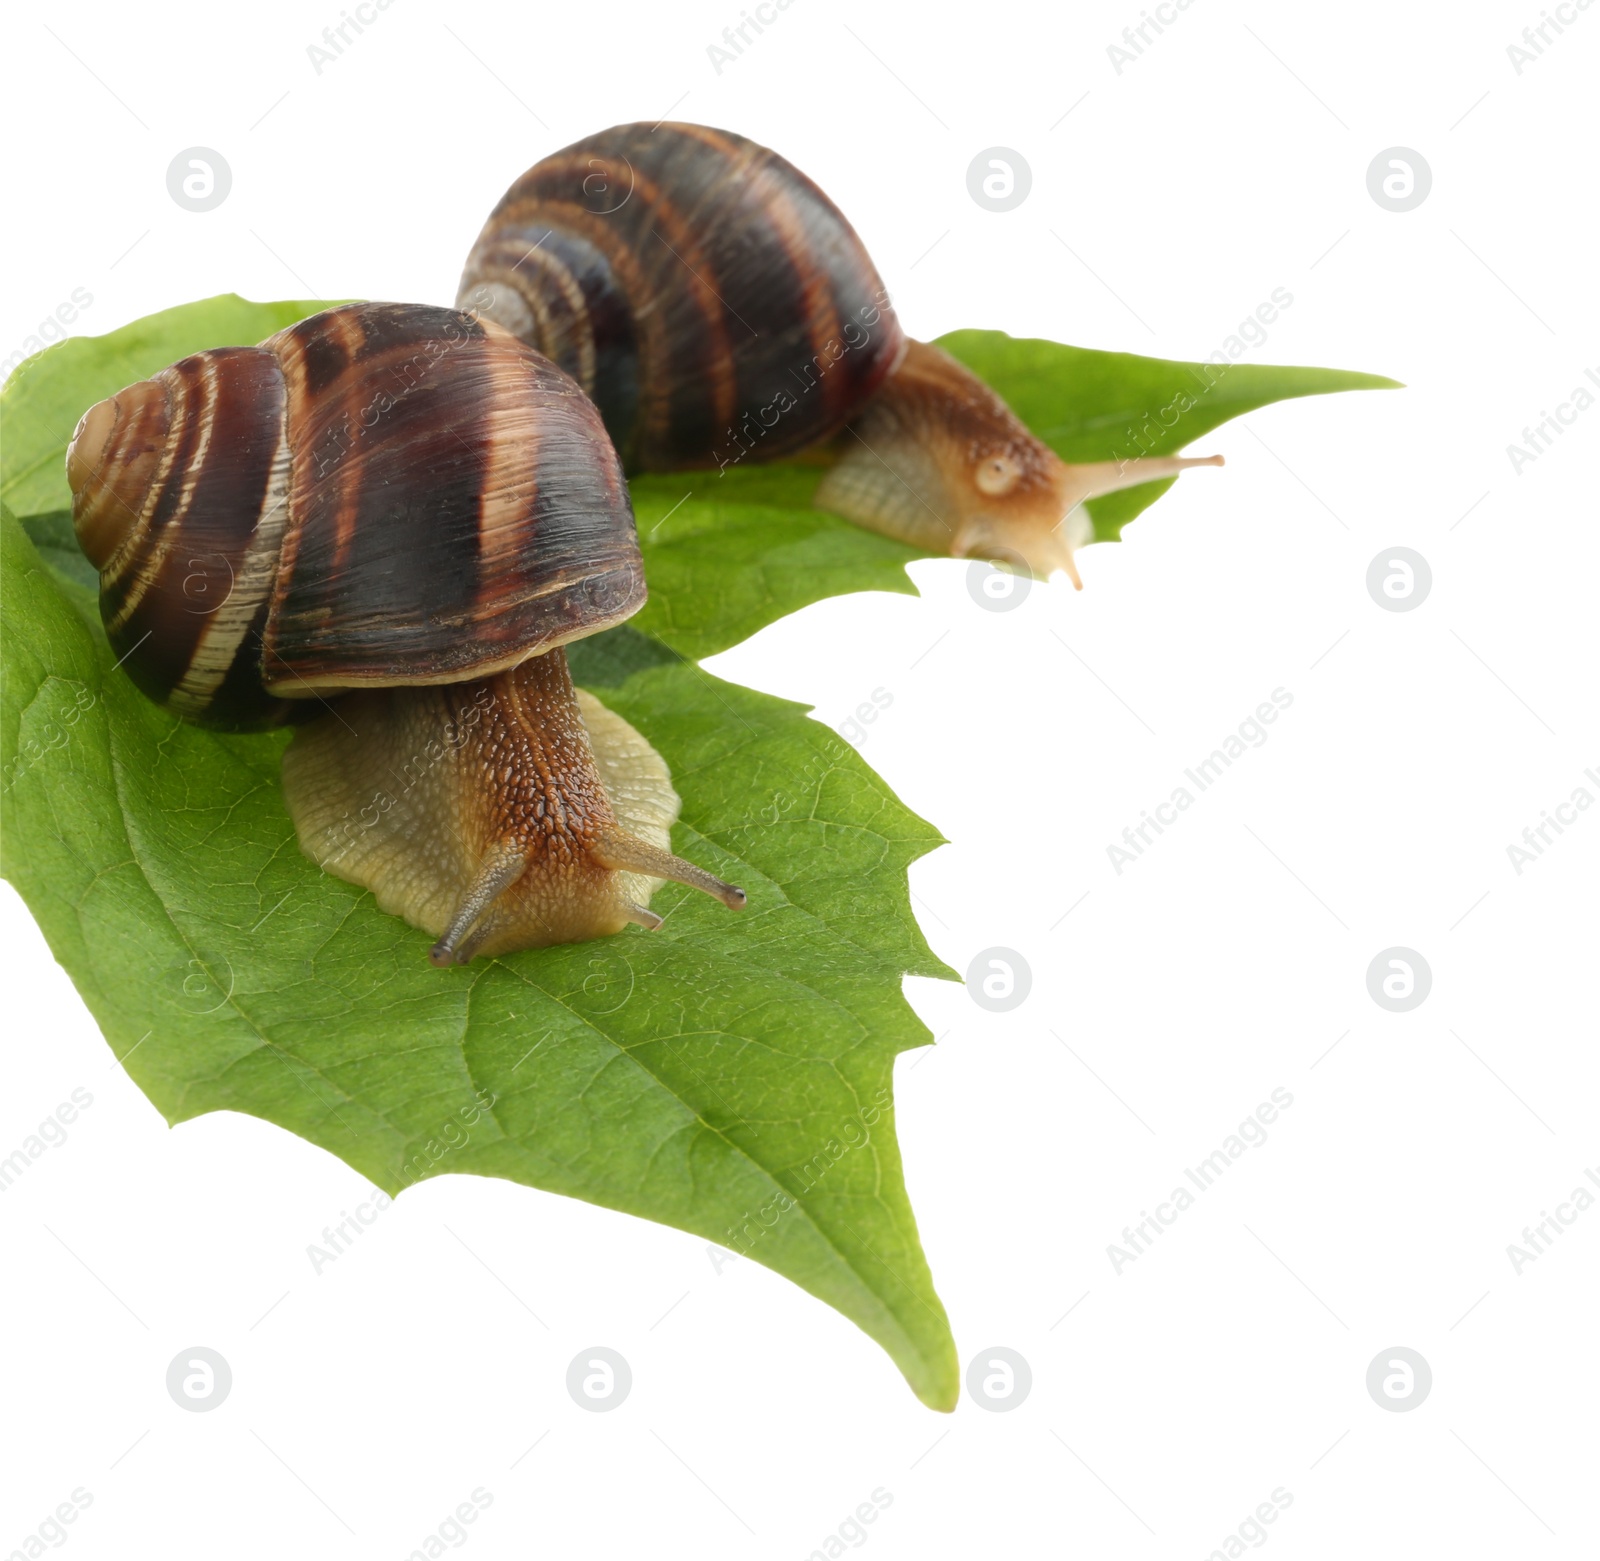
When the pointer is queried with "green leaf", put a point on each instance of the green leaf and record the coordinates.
(728, 1075)
(741, 554)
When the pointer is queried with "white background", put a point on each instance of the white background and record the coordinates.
(1171, 1399)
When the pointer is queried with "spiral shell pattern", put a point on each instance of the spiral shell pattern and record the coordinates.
(714, 303)
(380, 495)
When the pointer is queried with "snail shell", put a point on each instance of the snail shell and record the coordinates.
(265, 533)
(702, 290)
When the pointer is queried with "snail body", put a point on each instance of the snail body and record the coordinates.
(561, 812)
(718, 307)
(391, 519)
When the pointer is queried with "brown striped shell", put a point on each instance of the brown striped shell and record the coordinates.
(708, 296)
(381, 495)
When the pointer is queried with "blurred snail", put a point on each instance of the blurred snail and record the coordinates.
(717, 306)
(409, 509)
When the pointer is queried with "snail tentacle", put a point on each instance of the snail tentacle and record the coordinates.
(502, 867)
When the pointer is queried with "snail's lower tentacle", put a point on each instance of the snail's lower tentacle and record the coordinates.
(502, 867)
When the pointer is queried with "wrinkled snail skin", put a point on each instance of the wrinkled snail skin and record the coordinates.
(391, 518)
(719, 309)
(562, 811)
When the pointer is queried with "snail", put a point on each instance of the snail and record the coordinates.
(393, 518)
(717, 306)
